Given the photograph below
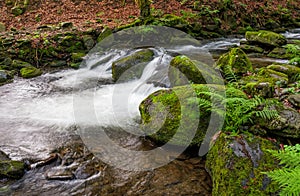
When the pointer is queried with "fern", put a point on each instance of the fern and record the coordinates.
(229, 74)
(287, 177)
(239, 109)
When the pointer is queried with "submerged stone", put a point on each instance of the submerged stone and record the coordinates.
(30, 72)
(236, 164)
(266, 38)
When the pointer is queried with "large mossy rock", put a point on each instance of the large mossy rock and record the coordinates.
(30, 72)
(287, 124)
(265, 38)
(173, 115)
(234, 63)
(137, 61)
(236, 165)
(185, 68)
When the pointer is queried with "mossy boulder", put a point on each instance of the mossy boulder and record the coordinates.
(291, 71)
(176, 115)
(236, 163)
(185, 67)
(287, 124)
(265, 38)
(137, 61)
(234, 63)
(30, 72)
(263, 83)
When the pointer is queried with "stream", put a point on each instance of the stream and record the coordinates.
(66, 113)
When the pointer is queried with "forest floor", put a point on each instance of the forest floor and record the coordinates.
(83, 14)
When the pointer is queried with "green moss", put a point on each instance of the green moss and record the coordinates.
(30, 72)
(236, 163)
(138, 59)
(77, 57)
(105, 33)
(266, 38)
(12, 169)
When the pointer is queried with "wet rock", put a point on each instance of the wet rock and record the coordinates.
(265, 38)
(291, 71)
(30, 72)
(59, 173)
(295, 100)
(251, 49)
(236, 165)
(11, 169)
(280, 53)
(233, 64)
(287, 124)
(59, 63)
(3, 76)
(2, 27)
(137, 61)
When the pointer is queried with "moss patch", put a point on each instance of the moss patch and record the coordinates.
(30, 72)
(236, 163)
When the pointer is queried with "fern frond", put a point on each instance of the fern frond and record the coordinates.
(229, 74)
(288, 179)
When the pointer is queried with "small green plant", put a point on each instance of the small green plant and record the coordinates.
(239, 109)
(288, 177)
(295, 51)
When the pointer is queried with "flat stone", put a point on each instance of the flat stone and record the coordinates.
(59, 173)
(295, 100)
